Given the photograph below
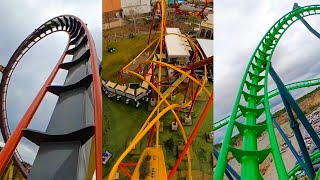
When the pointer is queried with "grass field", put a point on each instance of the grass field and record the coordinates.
(121, 122)
(126, 50)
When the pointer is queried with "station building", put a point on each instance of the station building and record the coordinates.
(177, 48)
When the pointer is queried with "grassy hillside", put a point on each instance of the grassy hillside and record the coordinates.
(126, 50)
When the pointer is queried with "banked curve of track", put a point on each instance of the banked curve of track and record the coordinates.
(273, 93)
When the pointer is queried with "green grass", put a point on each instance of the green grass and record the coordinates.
(126, 50)
(121, 122)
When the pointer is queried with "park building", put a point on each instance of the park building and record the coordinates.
(111, 14)
(114, 11)
(177, 48)
(112, 8)
(121, 8)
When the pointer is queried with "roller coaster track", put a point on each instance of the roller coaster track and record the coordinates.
(254, 88)
(314, 157)
(154, 117)
(292, 86)
(73, 137)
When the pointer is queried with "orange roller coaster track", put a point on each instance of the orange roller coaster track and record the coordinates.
(79, 36)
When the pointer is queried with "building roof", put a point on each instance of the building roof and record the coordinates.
(176, 45)
(207, 46)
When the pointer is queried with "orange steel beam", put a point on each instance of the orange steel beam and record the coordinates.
(125, 171)
(13, 66)
(10, 146)
(97, 98)
(194, 132)
(203, 62)
(12, 143)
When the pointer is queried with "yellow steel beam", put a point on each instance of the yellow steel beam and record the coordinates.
(92, 160)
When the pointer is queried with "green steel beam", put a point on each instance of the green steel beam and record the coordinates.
(253, 84)
(315, 159)
(273, 93)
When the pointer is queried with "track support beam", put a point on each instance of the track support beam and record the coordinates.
(289, 102)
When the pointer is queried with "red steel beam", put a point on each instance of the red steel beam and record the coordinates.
(200, 63)
(128, 164)
(152, 23)
(151, 135)
(119, 78)
(188, 87)
(165, 85)
(194, 96)
(194, 132)
(170, 77)
(152, 80)
(179, 91)
(12, 143)
(125, 171)
(97, 99)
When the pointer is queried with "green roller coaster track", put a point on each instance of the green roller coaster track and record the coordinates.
(296, 168)
(253, 89)
(273, 93)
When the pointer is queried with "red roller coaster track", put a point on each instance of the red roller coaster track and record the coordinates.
(59, 23)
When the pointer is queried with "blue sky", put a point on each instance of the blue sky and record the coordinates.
(239, 27)
(18, 19)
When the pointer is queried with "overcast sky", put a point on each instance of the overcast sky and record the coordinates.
(239, 27)
(18, 19)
